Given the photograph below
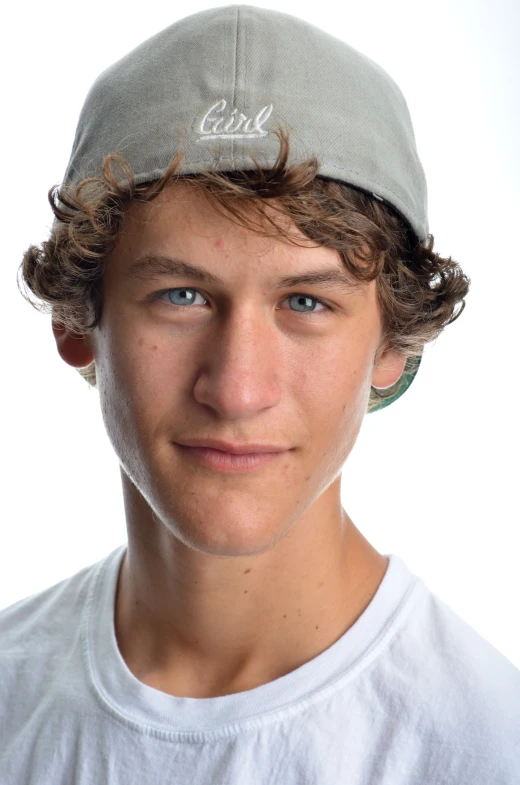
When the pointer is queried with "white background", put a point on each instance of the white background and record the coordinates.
(432, 478)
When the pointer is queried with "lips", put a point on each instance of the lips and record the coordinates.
(233, 448)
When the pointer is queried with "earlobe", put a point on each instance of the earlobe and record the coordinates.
(388, 369)
(74, 349)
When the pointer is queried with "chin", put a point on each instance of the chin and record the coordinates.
(224, 533)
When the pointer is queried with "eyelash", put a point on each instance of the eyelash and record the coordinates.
(158, 295)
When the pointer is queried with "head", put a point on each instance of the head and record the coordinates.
(244, 358)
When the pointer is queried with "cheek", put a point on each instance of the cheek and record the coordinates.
(137, 380)
(148, 373)
(331, 389)
(336, 374)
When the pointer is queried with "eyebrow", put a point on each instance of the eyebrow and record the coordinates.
(155, 266)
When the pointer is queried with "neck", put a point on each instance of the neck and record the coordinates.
(196, 624)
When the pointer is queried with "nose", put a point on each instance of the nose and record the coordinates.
(241, 367)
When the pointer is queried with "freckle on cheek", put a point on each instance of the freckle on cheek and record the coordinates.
(219, 242)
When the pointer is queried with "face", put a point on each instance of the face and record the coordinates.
(242, 359)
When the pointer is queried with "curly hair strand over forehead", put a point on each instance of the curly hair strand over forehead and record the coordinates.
(419, 291)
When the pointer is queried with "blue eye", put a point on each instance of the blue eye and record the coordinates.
(305, 300)
(184, 296)
(181, 296)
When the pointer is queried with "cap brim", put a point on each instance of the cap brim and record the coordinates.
(384, 397)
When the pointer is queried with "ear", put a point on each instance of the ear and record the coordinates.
(388, 369)
(74, 349)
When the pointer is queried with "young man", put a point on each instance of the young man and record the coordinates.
(240, 262)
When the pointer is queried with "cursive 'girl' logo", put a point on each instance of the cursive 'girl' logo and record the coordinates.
(217, 124)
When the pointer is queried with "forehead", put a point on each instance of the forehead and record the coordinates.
(190, 203)
(177, 232)
(180, 234)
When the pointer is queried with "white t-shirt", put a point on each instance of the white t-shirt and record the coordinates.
(409, 695)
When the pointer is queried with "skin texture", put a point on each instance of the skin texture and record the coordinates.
(232, 580)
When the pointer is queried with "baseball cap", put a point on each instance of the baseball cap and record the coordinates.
(223, 79)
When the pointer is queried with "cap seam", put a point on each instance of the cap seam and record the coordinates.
(235, 66)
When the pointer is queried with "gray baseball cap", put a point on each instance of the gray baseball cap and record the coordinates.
(223, 80)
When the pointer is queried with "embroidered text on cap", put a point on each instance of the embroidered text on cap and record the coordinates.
(216, 124)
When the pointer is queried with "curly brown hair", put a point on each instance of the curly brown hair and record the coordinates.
(419, 291)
